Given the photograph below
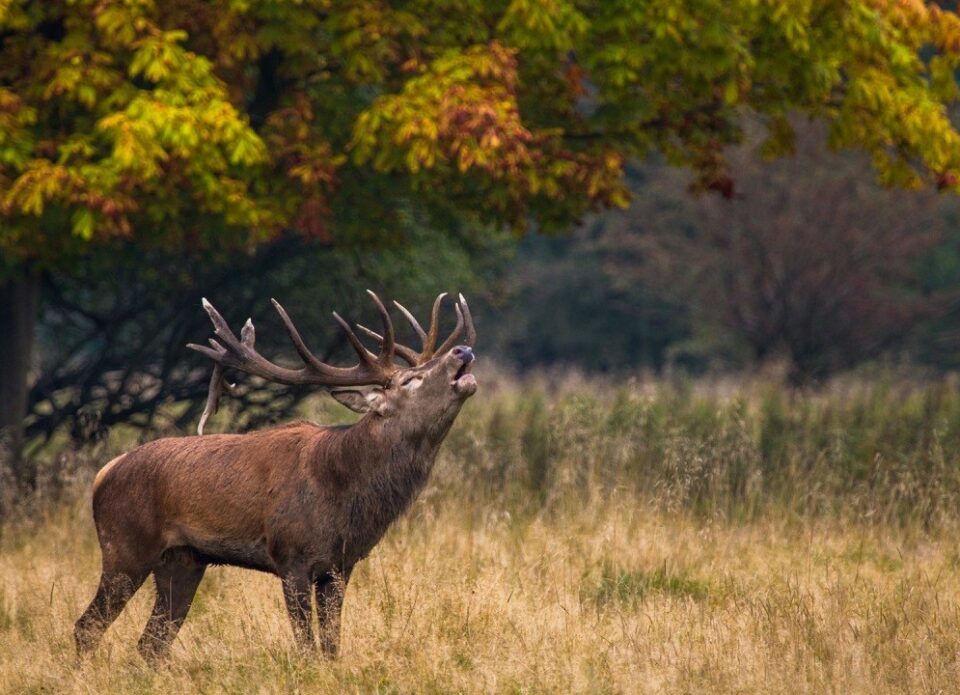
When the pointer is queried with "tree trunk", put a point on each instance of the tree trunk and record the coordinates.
(18, 315)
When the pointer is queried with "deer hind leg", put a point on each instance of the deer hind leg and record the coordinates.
(117, 585)
(177, 577)
(329, 589)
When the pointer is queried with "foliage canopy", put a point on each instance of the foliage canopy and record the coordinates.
(190, 123)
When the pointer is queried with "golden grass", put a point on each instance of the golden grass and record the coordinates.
(580, 538)
(607, 597)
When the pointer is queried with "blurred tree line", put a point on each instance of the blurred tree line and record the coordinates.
(152, 152)
(810, 263)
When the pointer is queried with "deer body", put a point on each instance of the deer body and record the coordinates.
(302, 501)
(250, 499)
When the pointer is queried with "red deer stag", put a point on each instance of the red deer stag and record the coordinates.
(302, 501)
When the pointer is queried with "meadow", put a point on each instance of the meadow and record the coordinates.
(578, 535)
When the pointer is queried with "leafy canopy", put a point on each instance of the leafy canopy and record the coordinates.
(188, 123)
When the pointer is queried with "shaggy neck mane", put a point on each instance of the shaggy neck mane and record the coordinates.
(379, 468)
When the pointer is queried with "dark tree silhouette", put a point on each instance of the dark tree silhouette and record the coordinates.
(808, 261)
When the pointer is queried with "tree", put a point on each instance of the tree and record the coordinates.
(810, 261)
(113, 328)
(186, 124)
(567, 304)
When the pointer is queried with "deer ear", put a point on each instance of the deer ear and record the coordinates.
(361, 402)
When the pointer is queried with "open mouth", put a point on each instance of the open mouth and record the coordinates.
(464, 369)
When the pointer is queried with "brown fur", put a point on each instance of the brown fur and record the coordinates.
(302, 501)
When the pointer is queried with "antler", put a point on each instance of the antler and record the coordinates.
(240, 354)
(428, 339)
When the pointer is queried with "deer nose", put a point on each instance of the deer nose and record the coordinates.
(463, 353)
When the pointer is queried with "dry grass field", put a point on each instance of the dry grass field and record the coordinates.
(649, 539)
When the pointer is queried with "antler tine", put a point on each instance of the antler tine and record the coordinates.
(215, 353)
(220, 326)
(302, 350)
(213, 396)
(248, 334)
(407, 354)
(452, 338)
(468, 318)
(430, 343)
(248, 337)
(428, 340)
(412, 319)
(389, 340)
(365, 355)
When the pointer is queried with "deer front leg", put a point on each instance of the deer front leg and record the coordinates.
(296, 595)
(329, 590)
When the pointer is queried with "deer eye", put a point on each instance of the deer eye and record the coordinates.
(411, 381)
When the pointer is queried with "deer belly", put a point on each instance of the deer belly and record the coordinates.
(234, 551)
(238, 551)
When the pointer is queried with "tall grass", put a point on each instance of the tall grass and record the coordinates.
(578, 536)
(883, 453)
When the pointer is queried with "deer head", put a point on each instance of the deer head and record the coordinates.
(425, 394)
